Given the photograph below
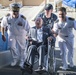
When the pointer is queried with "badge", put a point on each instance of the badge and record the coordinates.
(20, 24)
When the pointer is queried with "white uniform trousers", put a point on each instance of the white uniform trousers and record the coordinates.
(66, 48)
(17, 47)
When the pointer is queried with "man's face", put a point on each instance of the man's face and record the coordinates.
(15, 12)
(38, 23)
(47, 12)
(62, 15)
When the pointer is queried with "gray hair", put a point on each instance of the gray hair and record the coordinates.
(38, 18)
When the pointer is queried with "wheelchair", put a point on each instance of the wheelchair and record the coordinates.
(49, 58)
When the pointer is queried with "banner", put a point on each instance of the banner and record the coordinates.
(70, 3)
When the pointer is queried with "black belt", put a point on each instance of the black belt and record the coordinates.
(66, 36)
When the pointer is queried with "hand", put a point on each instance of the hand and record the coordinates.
(30, 42)
(50, 38)
(3, 38)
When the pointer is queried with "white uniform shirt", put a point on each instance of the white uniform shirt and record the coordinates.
(39, 34)
(16, 31)
(64, 29)
(13, 25)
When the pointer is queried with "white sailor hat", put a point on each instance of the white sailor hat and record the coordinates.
(15, 6)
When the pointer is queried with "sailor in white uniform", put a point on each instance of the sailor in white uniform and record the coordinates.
(64, 29)
(18, 28)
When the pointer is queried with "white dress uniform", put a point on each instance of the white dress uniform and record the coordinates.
(17, 30)
(65, 40)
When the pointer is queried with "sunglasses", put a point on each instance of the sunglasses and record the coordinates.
(15, 11)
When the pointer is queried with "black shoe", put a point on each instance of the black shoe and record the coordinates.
(27, 68)
(27, 64)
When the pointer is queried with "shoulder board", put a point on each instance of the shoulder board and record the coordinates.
(71, 18)
(57, 21)
(8, 14)
(23, 17)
